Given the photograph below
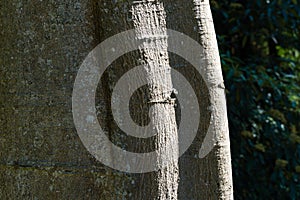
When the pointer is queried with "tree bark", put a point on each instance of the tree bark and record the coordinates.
(150, 25)
(43, 46)
(219, 134)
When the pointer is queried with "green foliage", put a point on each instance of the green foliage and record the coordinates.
(260, 49)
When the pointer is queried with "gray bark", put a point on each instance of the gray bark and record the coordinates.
(150, 25)
(42, 157)
(218, 132)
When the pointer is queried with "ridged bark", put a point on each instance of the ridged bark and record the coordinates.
(150, 25)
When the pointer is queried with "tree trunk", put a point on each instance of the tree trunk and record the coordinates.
(43, 45)
(150, 25)
(218, 133)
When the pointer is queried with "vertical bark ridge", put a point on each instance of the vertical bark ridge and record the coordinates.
(216, 88)
(150, 25)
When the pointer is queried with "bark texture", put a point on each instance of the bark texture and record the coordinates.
(219, 123)
(150, 25)
(42, 157)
